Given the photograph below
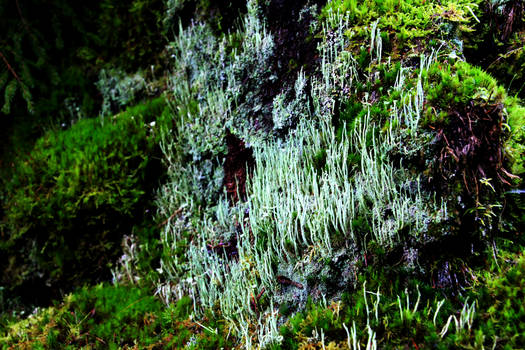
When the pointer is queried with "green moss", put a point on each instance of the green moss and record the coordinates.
(115, 317)
(69, 200)
(515, 146)
(406, 22)
(489, 315)
(392, 328)
(450, 87)
(104, 316)
(500, 290)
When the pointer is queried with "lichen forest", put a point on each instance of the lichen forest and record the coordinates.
(262, 174)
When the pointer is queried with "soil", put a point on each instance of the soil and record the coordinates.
(239, 161)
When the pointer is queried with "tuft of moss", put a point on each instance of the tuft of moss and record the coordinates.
(452, 86)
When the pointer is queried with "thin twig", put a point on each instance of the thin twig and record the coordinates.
(505, 56)
(10, 68)
(175, 213)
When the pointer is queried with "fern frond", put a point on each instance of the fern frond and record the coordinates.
(26, 94)
(9, 93)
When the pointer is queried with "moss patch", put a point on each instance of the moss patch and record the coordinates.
(71, 198)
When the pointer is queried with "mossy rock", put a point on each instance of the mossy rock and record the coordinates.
(74, 195)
